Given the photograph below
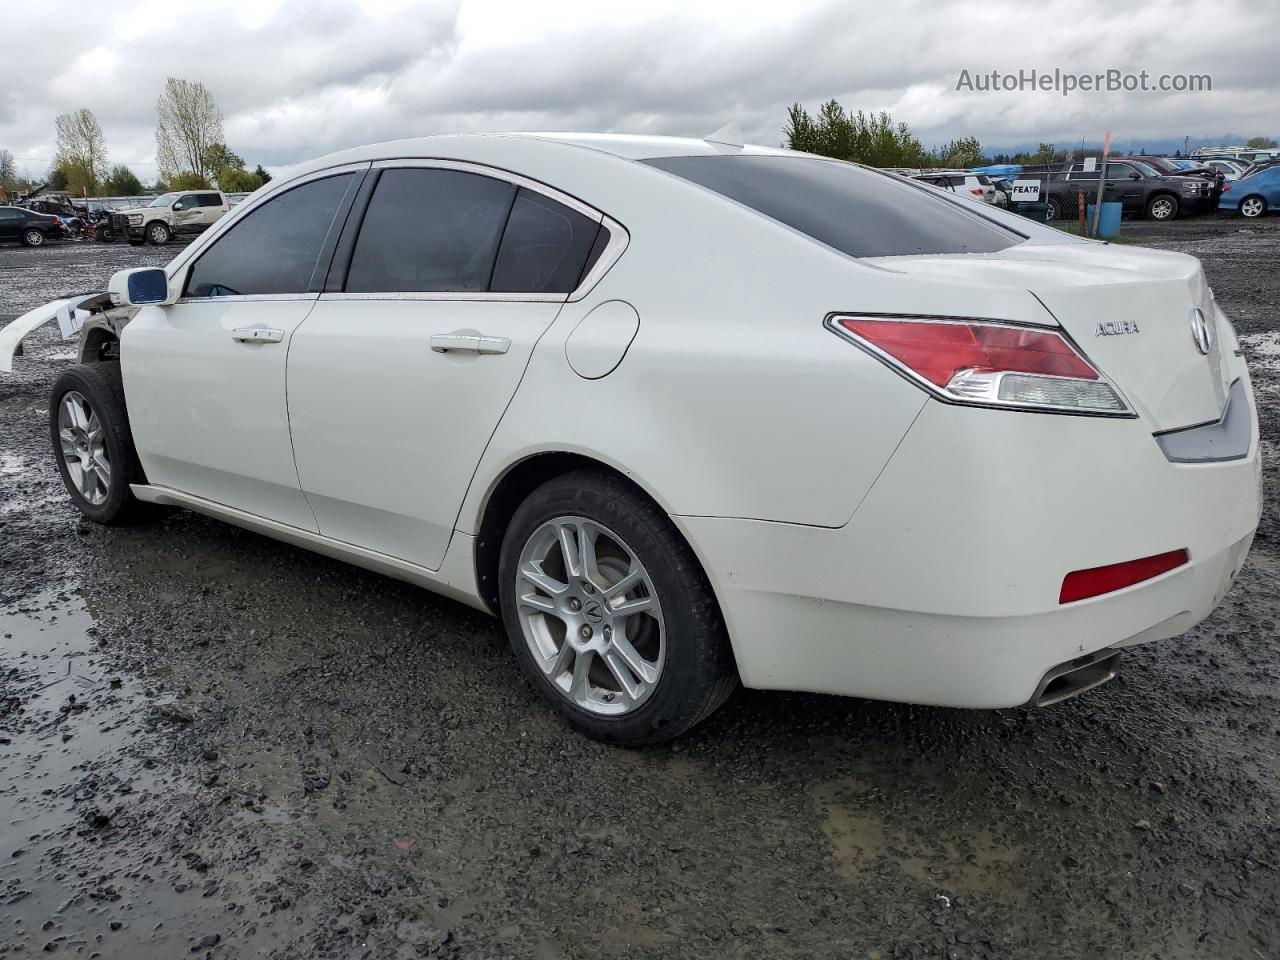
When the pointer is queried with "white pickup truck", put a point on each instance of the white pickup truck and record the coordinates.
(170, 215)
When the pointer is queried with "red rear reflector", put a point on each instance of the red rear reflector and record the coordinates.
(938, 350)
(1082, 584)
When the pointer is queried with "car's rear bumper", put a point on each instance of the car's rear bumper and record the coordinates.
(943, 588)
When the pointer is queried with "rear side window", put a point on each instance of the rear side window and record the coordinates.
(859, 212)
(544, 247)
(273, 249)
(430, 230)
(209, 200)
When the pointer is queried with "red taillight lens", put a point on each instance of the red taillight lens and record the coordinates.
(1082, 584)
(976, 191)
(976, 361)
(938, 351)
(1226, 187)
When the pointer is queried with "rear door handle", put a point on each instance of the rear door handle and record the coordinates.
(469, 343)
(257, 335)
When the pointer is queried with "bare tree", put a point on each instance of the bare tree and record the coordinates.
(188, 123)
(8, 170)
(81, 151)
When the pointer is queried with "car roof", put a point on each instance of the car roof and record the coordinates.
(624, 146)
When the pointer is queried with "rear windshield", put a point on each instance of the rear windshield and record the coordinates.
(857, 211)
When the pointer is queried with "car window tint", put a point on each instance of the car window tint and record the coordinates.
(274, 248)
(210, 200)
(428, 231)
(860, 212)
(189, 201)
(544, 246)
(1118, 170)
(597, 251)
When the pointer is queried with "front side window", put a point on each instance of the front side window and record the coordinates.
(273, 249)
(430, 230)
(544, 247)
(189, 201)
(860, 212)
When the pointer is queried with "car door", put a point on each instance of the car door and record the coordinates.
(187, 217)
(10, 222)
(211, 209)
(443, 284)
(1123, 185)
(205, 376)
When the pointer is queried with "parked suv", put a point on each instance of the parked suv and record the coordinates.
(28, 227)
(1135, 184)
(188, 212)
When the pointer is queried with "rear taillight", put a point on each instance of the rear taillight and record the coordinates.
(1226, 187)
(986, 363)
(1082, 584)
(976, 191)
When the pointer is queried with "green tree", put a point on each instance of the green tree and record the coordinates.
(121, 182)
(965, 152)
(238, 181)
(81, 152)
(8, 171)
(835, 132)
(219, 157)
(1260, 143)
(57, 180)
(262, 174)
(189, 181)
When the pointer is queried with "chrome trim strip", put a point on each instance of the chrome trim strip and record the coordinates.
(479, 295)
(832, 324)
(619, 240)
(250, 298)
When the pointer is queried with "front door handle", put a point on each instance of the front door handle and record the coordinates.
(257, 335)
(469, 343)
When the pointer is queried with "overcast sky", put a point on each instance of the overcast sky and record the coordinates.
(299, 78)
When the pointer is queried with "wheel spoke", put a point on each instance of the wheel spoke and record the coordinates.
(581, 684)
(535, 601)
(557, 665)
(532, 571)
(629, 688)
(67, 440)
(75, 415)
(102, 471)
(632, 577)
(587, 555)
(87, 483)
(628, 654)
(628, 607)
(93, 429)
(569, 549)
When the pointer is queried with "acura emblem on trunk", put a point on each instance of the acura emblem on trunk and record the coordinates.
(1116, 328)
(1200, 332)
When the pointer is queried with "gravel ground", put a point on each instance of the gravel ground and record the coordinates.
(215, 744)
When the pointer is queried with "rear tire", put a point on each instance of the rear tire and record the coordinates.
(32, 238)
(1162, 208)
(93, 445)
(1253, 207)
(687, 668)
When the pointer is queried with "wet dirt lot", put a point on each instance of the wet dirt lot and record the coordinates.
(215, 744)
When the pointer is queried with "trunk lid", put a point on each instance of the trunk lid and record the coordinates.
(1129, 310)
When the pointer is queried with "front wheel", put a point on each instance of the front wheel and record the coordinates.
(1253, 207)
(93, 444)
(33, 238)
(609, 613)
(1163, 207)
(159, 233)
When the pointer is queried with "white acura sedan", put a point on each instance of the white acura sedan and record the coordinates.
(684, 414)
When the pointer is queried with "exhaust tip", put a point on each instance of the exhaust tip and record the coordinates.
(1068, 679)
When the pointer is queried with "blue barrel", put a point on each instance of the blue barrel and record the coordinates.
(1109, 222)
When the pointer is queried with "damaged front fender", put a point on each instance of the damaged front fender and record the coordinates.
(71, 313)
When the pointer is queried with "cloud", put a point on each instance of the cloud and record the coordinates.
(297, 78)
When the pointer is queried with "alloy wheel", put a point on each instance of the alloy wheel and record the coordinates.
(1162, 209)
(34, 238)
(84, 448)
(1252, 207)
(590, 615)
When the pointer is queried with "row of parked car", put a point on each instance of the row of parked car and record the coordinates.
(182, 213)
(1157, 188)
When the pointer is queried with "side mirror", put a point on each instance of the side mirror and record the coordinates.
(178, 206)
(141, 285)
(1135, 176)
